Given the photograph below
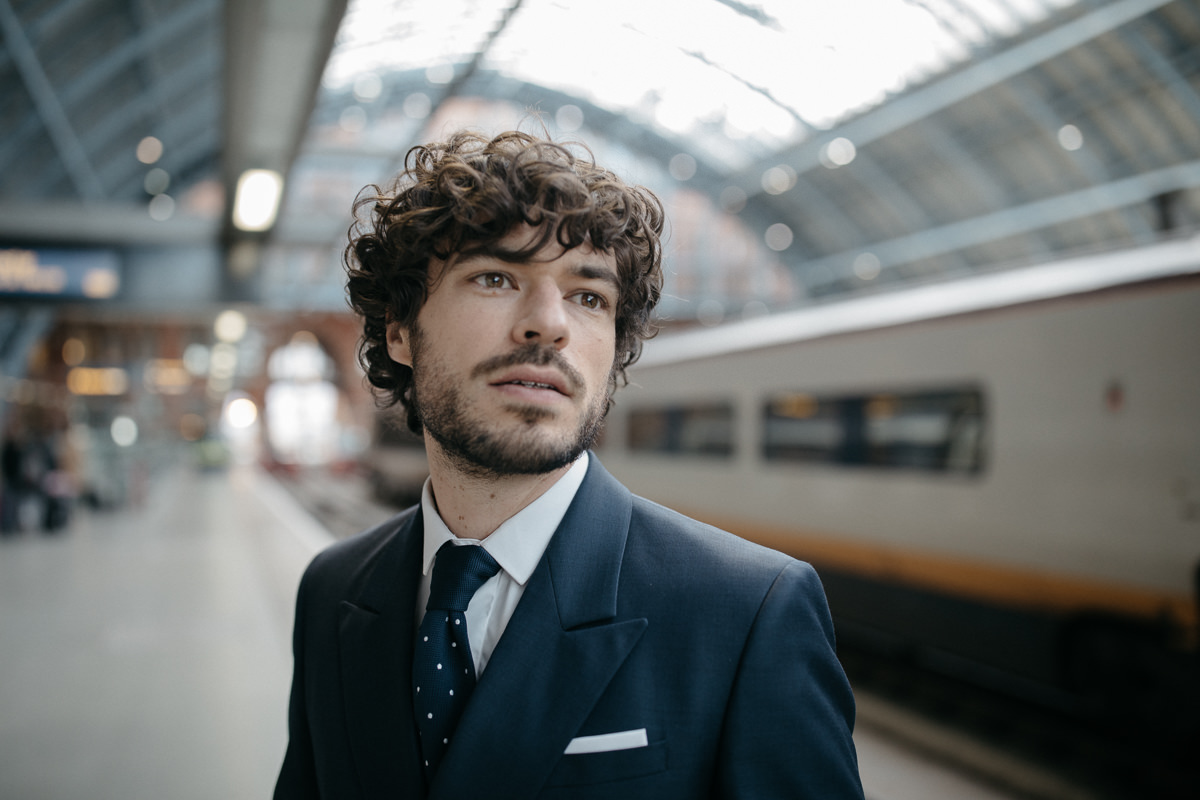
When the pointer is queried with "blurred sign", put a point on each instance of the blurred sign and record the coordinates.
(59, 273)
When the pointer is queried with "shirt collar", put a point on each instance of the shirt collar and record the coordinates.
(519, 542)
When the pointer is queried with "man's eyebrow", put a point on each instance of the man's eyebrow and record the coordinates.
(598, 273)
(467, 258)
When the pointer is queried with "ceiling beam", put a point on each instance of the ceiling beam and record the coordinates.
(130, 121)
(99, 224)
(276, 52)
(1049, 120)
(275, 55)
(150, 37)
(1018, 220)
(1180, 88)
(51, 111)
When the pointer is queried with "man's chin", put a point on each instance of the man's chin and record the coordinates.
(530, 414)
(525, 448)
(513, 438)
(497, 462)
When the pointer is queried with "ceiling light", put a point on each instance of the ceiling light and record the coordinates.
(230, 326)
(257, 199)
(149, 150)
(1070, 137)
(838, 153)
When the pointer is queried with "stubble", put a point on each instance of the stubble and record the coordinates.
(489, 446)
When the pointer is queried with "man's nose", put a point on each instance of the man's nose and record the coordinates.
(543, 317)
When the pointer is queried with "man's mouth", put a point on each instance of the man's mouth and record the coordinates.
(533, 385)
(534, 368)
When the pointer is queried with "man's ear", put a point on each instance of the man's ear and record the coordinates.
(397, 344)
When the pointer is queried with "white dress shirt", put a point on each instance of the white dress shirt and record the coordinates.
(517, 545)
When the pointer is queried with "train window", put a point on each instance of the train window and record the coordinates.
(702, 430)
(939, 431)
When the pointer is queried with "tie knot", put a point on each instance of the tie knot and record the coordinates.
(458, 572)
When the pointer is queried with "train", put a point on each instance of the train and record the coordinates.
(996, 478)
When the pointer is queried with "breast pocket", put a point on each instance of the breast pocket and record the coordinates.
(592, 768)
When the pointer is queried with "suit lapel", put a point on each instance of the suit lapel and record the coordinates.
(560, 650)
(376, 646)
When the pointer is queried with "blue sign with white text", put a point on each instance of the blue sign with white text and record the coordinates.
(92, 274)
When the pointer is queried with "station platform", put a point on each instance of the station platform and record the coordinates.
(146, 654)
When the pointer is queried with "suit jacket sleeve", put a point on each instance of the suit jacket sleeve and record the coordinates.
(788, 725)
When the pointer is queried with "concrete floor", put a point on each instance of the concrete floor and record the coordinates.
(145, 652)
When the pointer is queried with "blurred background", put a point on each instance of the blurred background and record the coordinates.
(931, 321)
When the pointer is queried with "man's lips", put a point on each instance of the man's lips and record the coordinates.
(539, 379)
(534, 372)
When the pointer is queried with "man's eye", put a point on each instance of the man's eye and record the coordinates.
(592, 300)
(493, 280)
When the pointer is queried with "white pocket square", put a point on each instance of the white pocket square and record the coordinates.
(607, 742)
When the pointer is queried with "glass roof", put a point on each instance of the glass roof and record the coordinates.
(735, 80)
(672, 95)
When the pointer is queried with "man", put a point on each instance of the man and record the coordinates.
(620, 649)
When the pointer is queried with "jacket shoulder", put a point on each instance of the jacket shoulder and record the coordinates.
(707, 551)
(348, 562)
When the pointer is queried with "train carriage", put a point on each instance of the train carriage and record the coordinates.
(999, 478)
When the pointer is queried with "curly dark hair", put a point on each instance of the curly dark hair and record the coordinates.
(463, 196)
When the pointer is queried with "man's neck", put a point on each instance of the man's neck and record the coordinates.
(472, 506)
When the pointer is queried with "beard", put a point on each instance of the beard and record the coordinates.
(483, 446)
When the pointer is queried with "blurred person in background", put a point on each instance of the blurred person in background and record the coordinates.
(11, 459)
(531, 628)
(39, 485)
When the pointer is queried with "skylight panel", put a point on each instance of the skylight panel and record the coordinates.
(388, 35)
(761, 73)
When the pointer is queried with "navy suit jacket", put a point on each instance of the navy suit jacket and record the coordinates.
(636, 617)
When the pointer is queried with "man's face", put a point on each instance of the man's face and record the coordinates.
(512, 361)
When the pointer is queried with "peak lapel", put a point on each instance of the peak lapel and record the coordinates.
(376, 646)
(560, 650)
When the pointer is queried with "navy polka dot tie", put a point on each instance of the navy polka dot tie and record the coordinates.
(443, 672)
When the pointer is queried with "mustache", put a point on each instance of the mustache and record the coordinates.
(534, 354)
